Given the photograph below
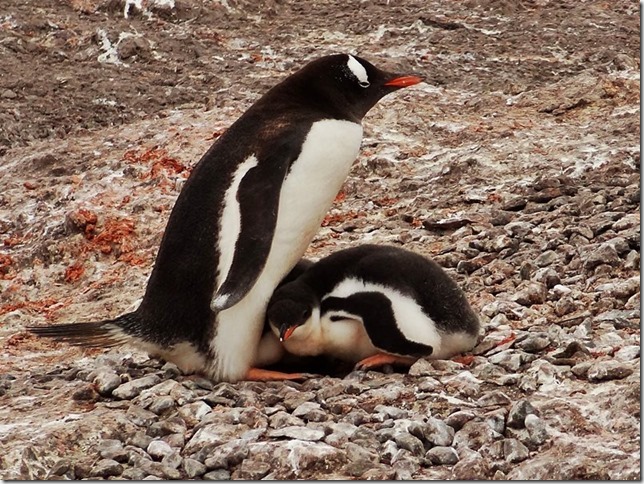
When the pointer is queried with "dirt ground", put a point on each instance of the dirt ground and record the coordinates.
(105, 105)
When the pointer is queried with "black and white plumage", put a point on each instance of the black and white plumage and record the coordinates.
(370, 300)
(244, 218)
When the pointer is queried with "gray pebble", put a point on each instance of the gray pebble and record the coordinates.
(140, 416)
(608, 370)
(294, 399)
(227, 455)
(112, 449)
(106, 381)
(252, 470)
(217, 475)
(158, 449)
(496, 420)
(604, 254)
(172, 425)
(459, 418)
(282, 419)
(297, 433)
(547, 276)
(194, 412)
(518, 413)
(133, 473)
(131, 389)
(627, 353)
(494, 397)
(514, 451)
(310, 412)
(507, 359)
(161, 404)
(536, 429)
(106, 468)
(193, 468)
(434, 431)
(534, 343)
(405, 440)
(546, 258)
(531, 293)
(390, 411)
(442, 456)
(173, 460)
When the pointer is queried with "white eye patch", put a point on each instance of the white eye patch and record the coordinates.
(358, 71)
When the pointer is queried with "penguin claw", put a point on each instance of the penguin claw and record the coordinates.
(260, 374)
(381, 359)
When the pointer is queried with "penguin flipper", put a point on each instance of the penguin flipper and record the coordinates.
(258, 207)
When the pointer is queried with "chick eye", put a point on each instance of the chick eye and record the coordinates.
(364, 84)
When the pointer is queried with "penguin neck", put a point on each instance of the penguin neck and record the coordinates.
(308, 338)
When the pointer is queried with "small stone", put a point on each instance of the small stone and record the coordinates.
(536, 429)
(194, 412)
(620, 289)
(252, 470)
(492, 398)
(390, 411)
(547, 276)
(604, 254)
(294, 399)
(434, 431)
(508, 359)
(310, 412)
(297, 433)
(581, 369)
(546, 258)
(140, 416)
(8, 94)
(405, 440)
(496, 420)
(534, 343)
(608, 370)
(161, 404)
(531, 293)
(442, 456)
(227, 455)
(106, 381)
(173, 460)
(217, 475)
(112, 449)
(458, 419)
(106, 468)
(158, 449)
(518, 413)
(471, 466)
(282, 419)
(86, 393)
(193, 468)
(131, 389)
(514, 451)
(627, 353)
(133, 474)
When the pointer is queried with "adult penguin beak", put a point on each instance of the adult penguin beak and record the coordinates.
(286, 332)
(404, 81)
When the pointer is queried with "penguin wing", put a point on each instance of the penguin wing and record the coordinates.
(374, 310)
(258, 197)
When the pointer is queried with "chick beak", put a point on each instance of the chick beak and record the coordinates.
(404, 81)
(286, 332)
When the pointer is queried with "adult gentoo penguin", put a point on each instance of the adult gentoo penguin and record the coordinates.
(244, 218)
(372, 305)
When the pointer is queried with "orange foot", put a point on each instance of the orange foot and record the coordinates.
(259, 374)
(380, 359)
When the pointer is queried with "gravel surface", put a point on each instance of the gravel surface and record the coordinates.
(516, 167)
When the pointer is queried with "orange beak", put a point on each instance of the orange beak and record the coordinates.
(286, 332)
(404, 81)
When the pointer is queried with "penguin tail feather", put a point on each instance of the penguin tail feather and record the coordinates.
(102, 334)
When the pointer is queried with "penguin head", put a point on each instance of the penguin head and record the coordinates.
(348, 84)
(291, 307)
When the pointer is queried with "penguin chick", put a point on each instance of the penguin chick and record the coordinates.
(372, 305)
(243, 219)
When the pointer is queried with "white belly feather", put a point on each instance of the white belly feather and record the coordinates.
(305, 197)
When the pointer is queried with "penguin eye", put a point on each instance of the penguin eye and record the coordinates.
(364, 84)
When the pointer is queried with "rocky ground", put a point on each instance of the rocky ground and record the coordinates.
(516, 166)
